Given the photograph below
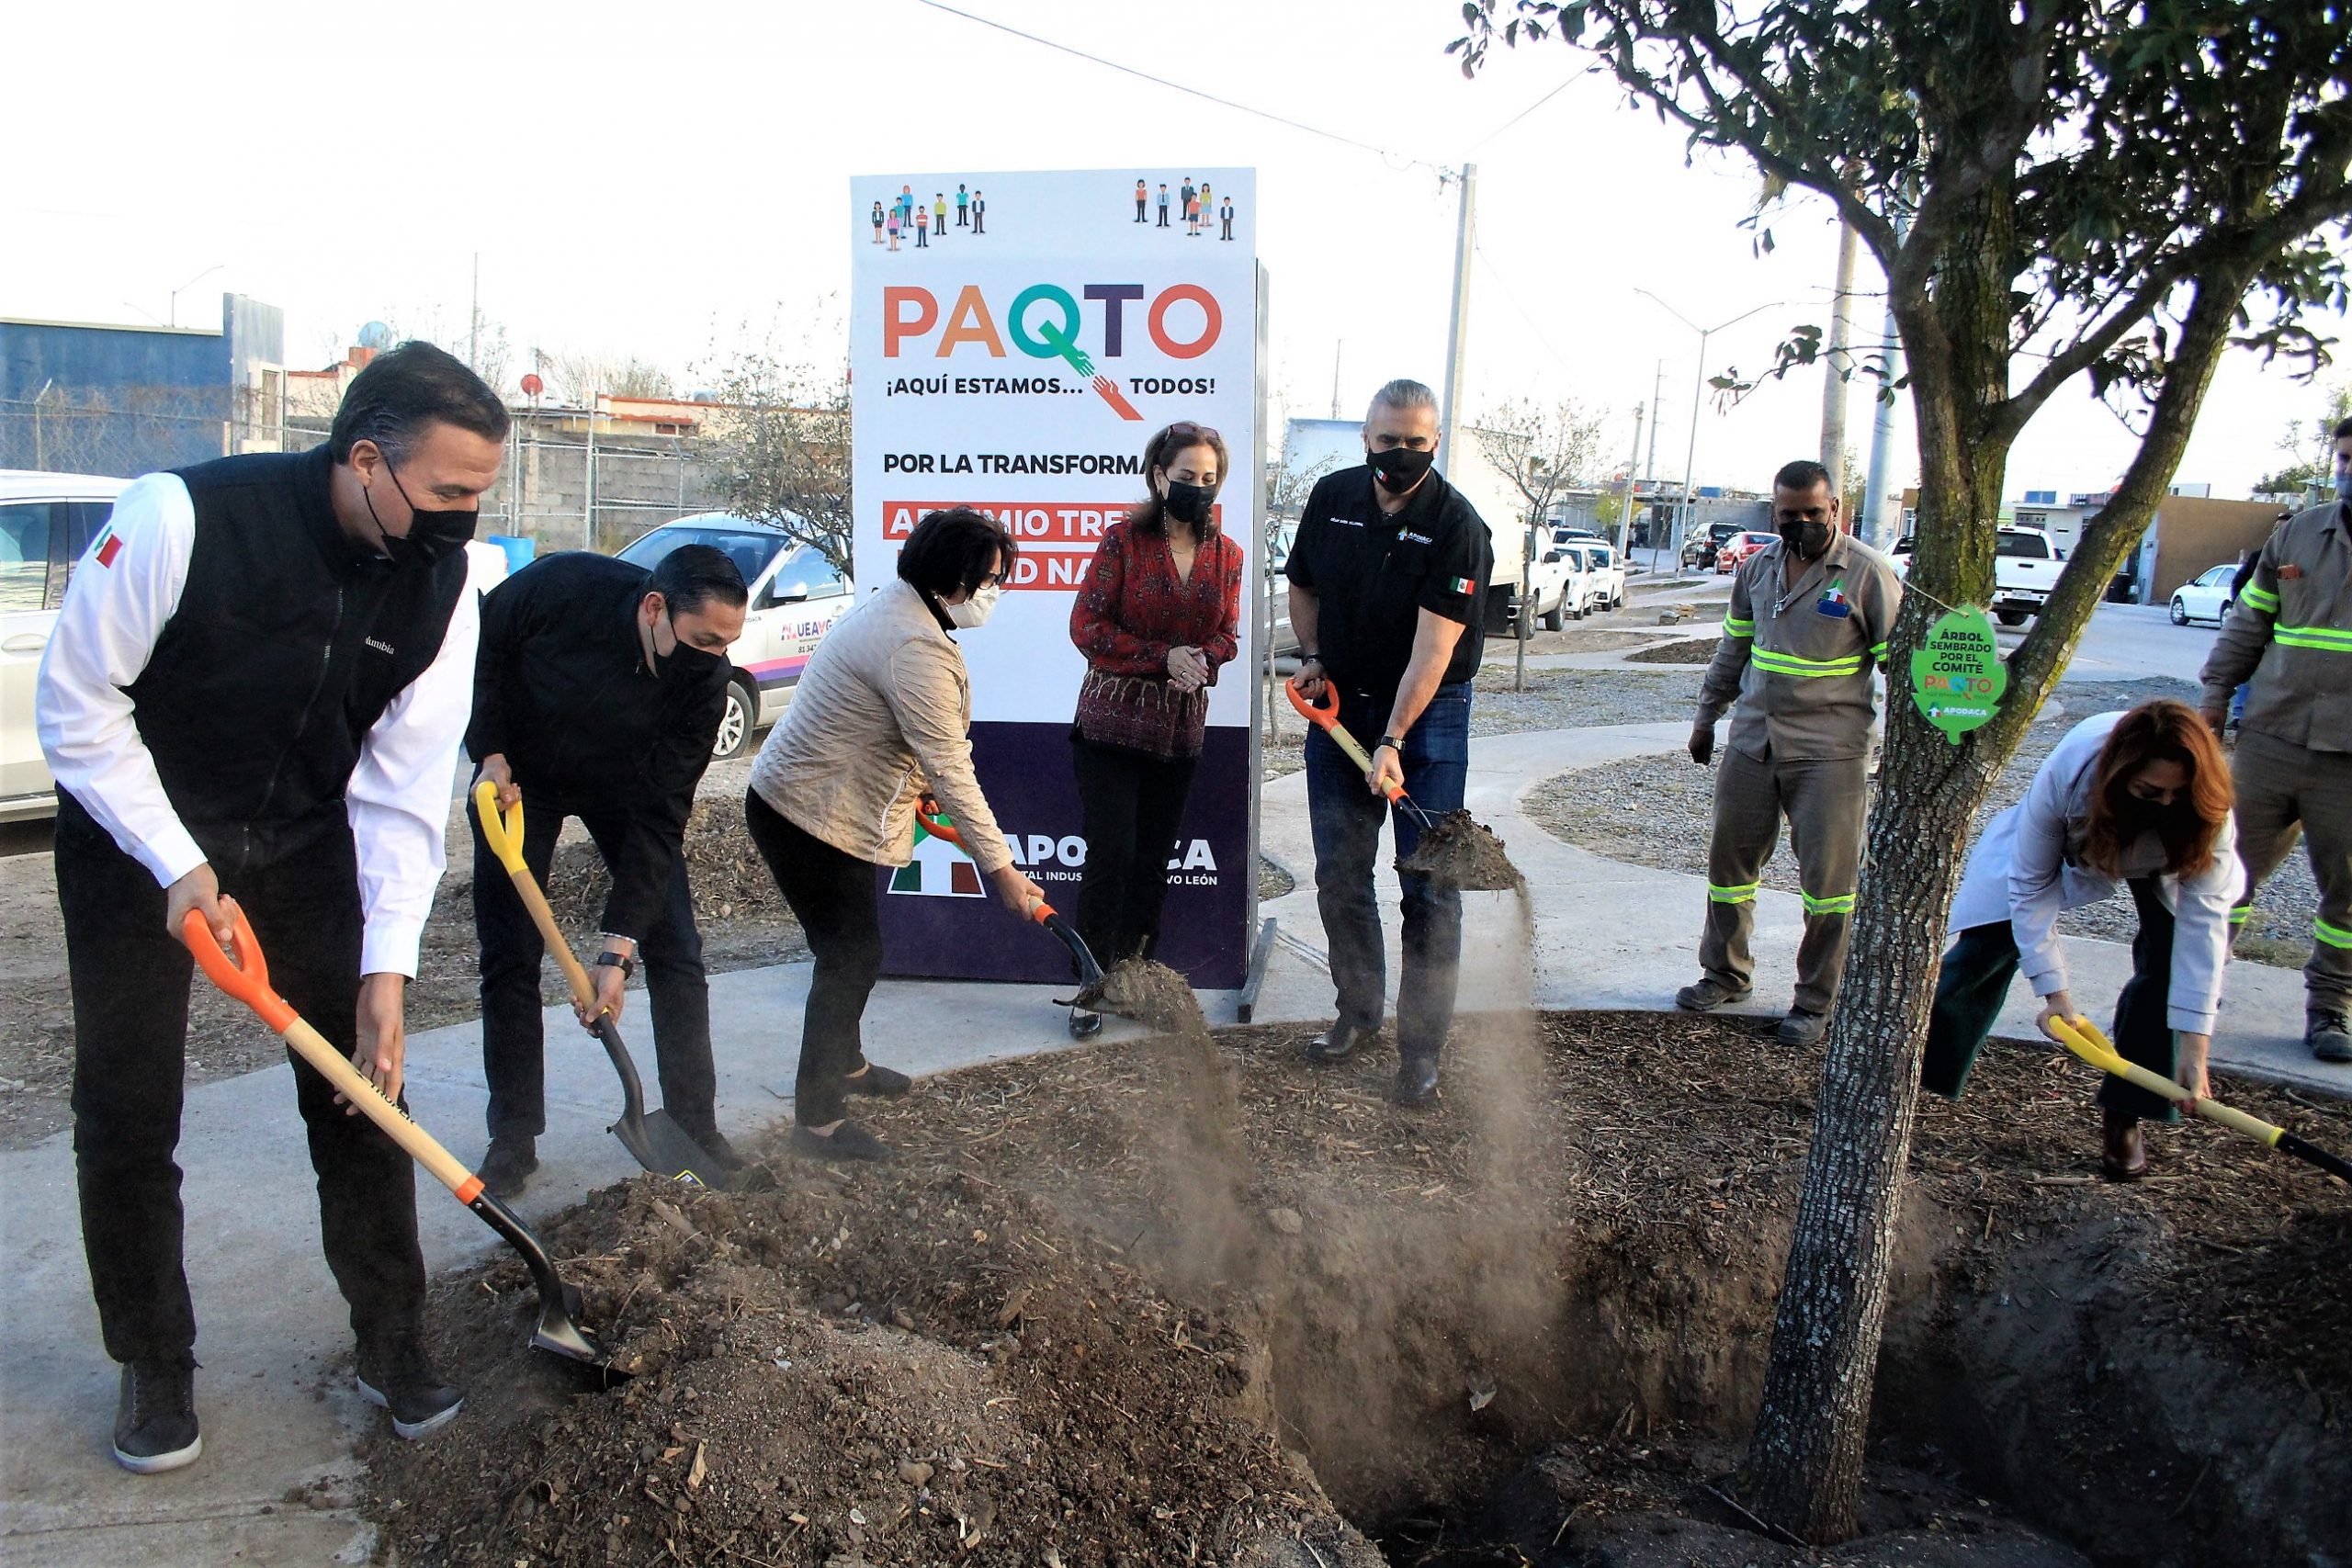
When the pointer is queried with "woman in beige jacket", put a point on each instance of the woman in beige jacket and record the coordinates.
(880, 719)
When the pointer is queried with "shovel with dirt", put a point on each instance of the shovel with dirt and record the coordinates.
(2089, 1042)
(245, 974)
(654, 1138)
(1134, 987)
(1454, 849)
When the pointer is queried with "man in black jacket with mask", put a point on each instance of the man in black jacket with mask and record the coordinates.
(255, 688)
(599, 693)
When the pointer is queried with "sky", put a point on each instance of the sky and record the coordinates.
(665, 184)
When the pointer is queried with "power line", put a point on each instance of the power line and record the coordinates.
(1193, 91)
(1517, 118)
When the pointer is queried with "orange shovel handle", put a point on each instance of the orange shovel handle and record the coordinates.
(928, 810)
(244, 974)
(1327, 717)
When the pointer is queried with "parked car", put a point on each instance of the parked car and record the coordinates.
(2026, 565)
(47, 522)
(1608, 575)
(1573, 563)
(1700, 550)
(1280, 536)
(797, 595)
(2205, 597)
(1739, 546)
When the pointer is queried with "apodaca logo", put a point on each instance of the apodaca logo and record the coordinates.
(938, 870)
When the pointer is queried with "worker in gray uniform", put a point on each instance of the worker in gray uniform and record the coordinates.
(2289, 638)
(1809, 619)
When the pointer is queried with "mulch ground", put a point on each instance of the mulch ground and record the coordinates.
(1073, 1324)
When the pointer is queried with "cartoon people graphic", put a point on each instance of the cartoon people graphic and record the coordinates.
(1192, 213)
(894, 225)
(877, 223)
(980, 213)
(1143, 199)
(963, 200)
(922, 228)
(1163, 207)
(939, 213)
(1225, 216)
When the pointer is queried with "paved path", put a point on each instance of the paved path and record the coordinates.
(278, 1414)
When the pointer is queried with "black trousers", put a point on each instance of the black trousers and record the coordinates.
(1132, 805)
(513, 1042)
(130, 984)
(834, 898)
(1975, 982)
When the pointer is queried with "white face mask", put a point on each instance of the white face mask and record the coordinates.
(975, 608)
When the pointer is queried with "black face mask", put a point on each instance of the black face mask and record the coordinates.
(685, 661)
(431, 536)
(1188, 504)
(1806, 538)
(1400, 468)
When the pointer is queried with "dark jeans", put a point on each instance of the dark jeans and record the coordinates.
(1132, 805)
(833, 897)
(1345, 817)
(513, 1043)
(1975, 982)
(131, 995)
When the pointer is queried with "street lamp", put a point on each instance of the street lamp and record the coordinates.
(191, 283)
(1698, 382)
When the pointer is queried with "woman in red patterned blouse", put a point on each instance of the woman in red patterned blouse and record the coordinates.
(1156, 618)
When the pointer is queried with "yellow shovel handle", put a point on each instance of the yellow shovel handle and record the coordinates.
(2089, 1042)
(505, 836)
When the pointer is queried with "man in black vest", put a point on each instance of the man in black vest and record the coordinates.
(598, 695)
(256, 687)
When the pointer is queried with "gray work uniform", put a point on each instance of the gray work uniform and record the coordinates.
(1798, 660)
(2289, 640)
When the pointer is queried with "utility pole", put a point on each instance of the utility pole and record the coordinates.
(1649, 464)
(1336, 349)
(1876, 526)
(473, 322)
(1625, 514)
(589, 543)
(1690, 454)
(1833, 378)
(1457, 337)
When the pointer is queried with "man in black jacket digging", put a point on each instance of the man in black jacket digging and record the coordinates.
(255, 689)
(598, 695)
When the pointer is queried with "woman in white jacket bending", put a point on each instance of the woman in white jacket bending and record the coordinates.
(2141, 797)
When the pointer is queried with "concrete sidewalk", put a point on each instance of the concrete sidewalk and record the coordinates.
(280, 1420)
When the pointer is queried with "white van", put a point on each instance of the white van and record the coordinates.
(47, 522)
(796, 598)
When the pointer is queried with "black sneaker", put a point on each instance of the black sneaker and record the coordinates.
(1706, 994)
(1416, 1083)
(154, 1417)
(397, 1375)
(1338, 1042)
(2326, 1034)
(846, 1141)
(877, 1080)
(506, 1168)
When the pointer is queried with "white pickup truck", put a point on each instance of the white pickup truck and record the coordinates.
(2026, 565)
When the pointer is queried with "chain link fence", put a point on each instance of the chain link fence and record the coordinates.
(561, 487)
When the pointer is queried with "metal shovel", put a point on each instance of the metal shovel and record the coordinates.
(1089, 972)
(245, 976)
(1326, 716)
(2089, 1042)
(654, 1138)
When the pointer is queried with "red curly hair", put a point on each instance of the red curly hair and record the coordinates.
(2161, 731)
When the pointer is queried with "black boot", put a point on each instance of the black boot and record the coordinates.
(1416, 1082)
(395, 1373)
(154, 1417)
(1338, 1042)
(506, 1168)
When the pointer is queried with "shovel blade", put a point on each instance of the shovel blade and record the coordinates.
(663, 1147)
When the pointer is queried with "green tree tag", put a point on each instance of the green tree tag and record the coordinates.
(1957, 676)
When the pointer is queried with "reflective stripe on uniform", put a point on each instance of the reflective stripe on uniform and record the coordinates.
(1734, 625)
(1745, 894)
(2261, 598)
(2335, 936)
(1842, 905)
(1878, 652)
(1774, 662)
(2327, 640)
(2238, 915)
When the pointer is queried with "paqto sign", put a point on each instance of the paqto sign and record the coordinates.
(1045, 322)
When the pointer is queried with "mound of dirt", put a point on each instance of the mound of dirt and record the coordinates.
(1682, 651)
(1458, 851)
(1171, 1301)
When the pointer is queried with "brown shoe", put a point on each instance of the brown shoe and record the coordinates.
(2124, 1156)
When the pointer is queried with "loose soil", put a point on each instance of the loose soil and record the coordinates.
(1458, 851)
(1074, 1325)
(1683, 650)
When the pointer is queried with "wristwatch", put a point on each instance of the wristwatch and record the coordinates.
(608, 959)
(1394, 742)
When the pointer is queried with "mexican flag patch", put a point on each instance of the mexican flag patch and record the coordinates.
(1458, 584)
(107, 545)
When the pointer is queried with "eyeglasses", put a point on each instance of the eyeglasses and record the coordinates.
(1185, 431)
